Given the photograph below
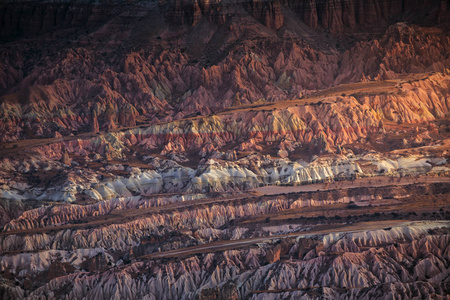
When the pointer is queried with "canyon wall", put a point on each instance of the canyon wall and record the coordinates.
(114, 72)
(32, 18)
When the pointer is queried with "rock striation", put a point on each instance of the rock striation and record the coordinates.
(247, 52)
(222, 149)
(403, 260)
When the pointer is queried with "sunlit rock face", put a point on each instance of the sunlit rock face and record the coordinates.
(221, 149)
(321, 126)
(100, 74)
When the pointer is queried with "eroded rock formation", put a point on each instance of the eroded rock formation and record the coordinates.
(401, 260)
(87, 82)
(221, 149)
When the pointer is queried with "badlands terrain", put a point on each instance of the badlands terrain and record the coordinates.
(180, 149)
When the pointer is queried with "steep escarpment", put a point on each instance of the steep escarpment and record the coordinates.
(36, 18)
(335, 16)
(400, 50)
(113, 72)
(181, 149)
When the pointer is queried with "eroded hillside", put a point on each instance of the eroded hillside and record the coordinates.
(87, 71)
(224, 149)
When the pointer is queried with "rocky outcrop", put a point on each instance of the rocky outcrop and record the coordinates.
(403, 260)
(158, 148)
(41, 17)
(42, 177)
(155, 229)
(407, 106)
(336, 16)
(65, 159)
(323, 126)
(227, 291)
(273, 255)
(88, 82)
(270, 13)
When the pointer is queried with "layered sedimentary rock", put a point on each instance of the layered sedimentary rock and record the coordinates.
(205, 222)
(323, 125)
(414, 103)
(214, 142)
(112, 72)
(209, 149)
(41, 17)
(37, 180)
(403, 260)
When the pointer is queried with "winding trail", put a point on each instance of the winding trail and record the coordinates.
(319, 230)
(122, 216)
(379, 181)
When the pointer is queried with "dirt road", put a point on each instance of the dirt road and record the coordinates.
(379, 181)
(121, 216)
(235, 244)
